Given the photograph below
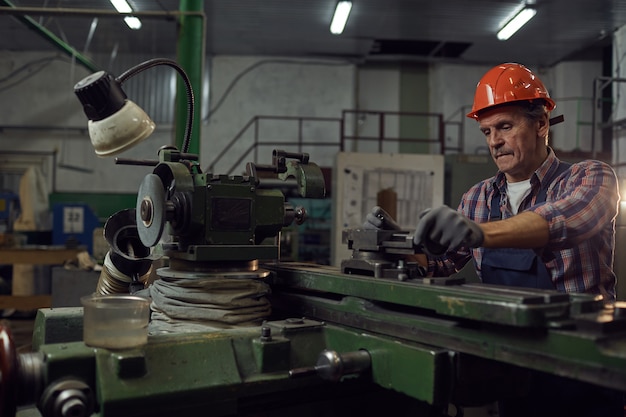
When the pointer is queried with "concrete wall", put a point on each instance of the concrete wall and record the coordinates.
(451, 94)
(571, 86)
(245, 87)
(378, 89)
(36, 96)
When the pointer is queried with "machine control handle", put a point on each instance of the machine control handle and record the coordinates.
(332, 366)
(20, 375)
(8, 373)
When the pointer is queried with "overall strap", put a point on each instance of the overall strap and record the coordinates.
(496, 214)
(541, 195)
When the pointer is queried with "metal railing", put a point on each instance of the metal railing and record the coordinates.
(256, 141)
(381, 136)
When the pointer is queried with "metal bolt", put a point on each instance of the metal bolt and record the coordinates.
(67, 398)
(73, 407)
(266, 334)
(146, 210)
(71, 403)
(402, 274)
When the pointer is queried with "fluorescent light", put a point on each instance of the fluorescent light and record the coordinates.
(121, 6)
(342, 11)
(133, 22)
(516, 23)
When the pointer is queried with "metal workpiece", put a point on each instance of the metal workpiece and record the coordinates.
(381, 254)
(383, 243)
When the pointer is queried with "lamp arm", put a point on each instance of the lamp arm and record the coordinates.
(190, 99)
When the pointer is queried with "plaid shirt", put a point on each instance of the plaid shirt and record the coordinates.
(580, 208)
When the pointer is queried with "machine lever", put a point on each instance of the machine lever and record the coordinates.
(140, 162)
(332, 366)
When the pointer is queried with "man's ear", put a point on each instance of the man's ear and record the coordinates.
(543, 126)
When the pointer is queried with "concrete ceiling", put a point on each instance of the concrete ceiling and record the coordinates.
(377, 31)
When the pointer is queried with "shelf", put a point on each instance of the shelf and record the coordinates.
(25, 302)
(40, 255)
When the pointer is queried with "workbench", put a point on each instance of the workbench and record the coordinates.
(37, 255)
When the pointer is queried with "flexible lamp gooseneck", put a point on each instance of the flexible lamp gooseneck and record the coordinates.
(117, 123)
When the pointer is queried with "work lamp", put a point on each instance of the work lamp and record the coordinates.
(115, 122)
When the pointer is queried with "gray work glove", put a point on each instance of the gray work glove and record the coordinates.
(443, 229)
(379, 219)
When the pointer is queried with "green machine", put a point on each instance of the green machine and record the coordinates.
(364, 338)
(336, 343)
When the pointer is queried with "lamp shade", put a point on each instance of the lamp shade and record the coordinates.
(115, 123)
(121, 130)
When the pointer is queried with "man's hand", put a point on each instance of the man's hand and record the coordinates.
(379, 219)
(443, 229)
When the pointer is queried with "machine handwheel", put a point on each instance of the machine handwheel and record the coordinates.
(8, 374)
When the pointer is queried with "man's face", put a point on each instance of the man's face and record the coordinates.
(517, 144)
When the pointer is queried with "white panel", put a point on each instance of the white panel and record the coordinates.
(73, 220)
(417, 180)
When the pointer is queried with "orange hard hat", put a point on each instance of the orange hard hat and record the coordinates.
(507, 83)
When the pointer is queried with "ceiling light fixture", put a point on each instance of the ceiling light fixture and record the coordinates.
(513, 25)
(133, 22)
(342, 11)
(122, 6)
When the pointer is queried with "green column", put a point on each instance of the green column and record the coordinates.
(190, 56)
(414, 98)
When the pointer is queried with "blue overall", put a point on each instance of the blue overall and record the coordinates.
(549, 395)
(517, 267)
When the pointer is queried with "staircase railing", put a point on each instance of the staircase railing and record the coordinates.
(254, 122)
(381, 118)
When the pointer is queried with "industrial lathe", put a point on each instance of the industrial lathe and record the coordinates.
(371, 334)
(234, 331)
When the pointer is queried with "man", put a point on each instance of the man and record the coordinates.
(539, 223)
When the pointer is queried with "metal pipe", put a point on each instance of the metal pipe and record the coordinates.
(55, 40)
(71, 12)
(22, 12)
(594, 104)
